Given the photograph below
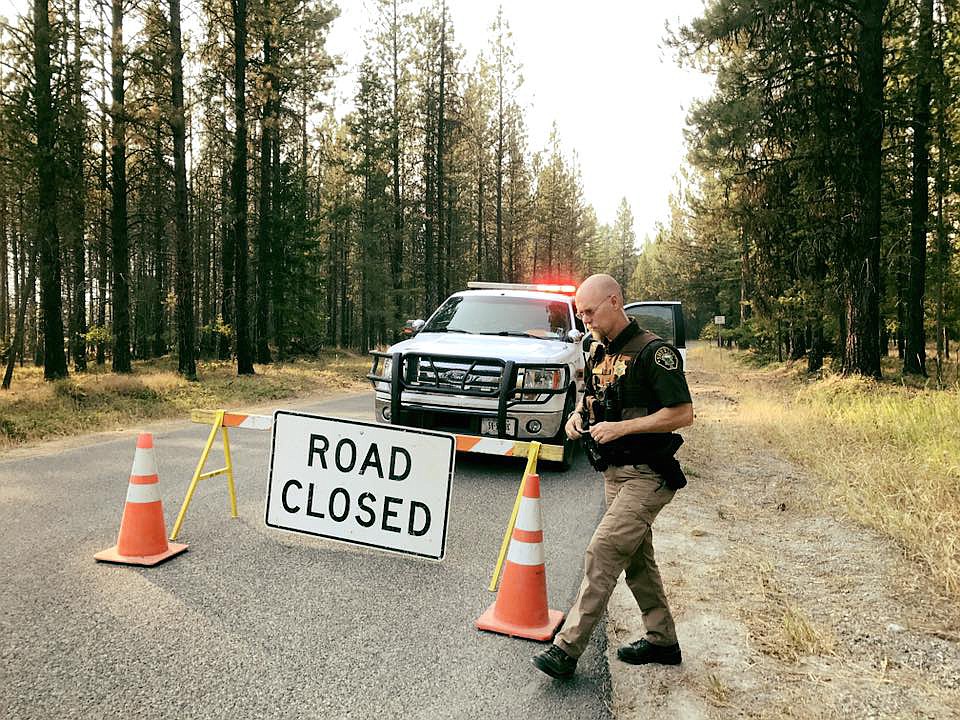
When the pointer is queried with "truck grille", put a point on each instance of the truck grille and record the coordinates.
(474, 376)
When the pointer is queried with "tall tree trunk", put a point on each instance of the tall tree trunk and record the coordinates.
(4, 276)
(901, 290)
(915, 355)
(33, 338)
(227, 259)
(511, 236)
(264, 260)
(441, 130)
(159, 270)
(346, 311)
(448, 251)
(186, 357)
(141, 320)
(118, 191)
(79, 310)
(944, 152)
(265, 224)
(239, 186)
(745, 294)
(277, 277)
(500, 123)
(429, 198)
(396, 256)
(428, 224)
(816, 342)
(19, 266)
(331, 288)
(480, 242)
(54, 358)
(863, 264)
(199, 221)
(18, 332)
(366, 244)
(103, 252)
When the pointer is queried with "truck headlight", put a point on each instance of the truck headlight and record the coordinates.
(539, 378)
(382, 367)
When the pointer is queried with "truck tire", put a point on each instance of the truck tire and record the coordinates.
(569, 446)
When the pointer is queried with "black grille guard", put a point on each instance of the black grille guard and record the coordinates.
(505, 390)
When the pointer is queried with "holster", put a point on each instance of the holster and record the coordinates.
(656, 451)
(594, 452)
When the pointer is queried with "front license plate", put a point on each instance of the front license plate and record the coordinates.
(488, 426)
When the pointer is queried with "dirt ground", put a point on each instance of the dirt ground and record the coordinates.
(784, 608)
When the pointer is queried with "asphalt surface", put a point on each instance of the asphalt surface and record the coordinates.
(254, 622)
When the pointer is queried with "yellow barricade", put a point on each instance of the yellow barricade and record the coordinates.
(218, 420)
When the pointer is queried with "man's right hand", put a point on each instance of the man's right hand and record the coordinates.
(574, 426)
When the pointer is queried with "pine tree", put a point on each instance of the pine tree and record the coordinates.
(54, 359)
(119, 237)
(186, 360)
(915, 354)
(239, 187)
(624, 243)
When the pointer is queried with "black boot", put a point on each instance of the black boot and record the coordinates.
(555, 663)
(642, 652)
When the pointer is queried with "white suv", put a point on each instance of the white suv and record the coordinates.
(499, 360)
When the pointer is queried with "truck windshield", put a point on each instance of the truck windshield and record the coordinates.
(498, 315)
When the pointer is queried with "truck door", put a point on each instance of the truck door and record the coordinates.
(663, 317)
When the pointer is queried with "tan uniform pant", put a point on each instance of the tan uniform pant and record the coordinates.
(623, 541)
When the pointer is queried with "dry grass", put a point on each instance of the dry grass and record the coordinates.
(779, 627)
(888, 452)
(802, 637)
(34, 410)
(717, 690)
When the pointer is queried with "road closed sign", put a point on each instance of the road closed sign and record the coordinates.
(374, 485)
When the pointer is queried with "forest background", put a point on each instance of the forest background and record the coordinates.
(244, 218)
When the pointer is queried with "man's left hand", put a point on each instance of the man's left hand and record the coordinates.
(606, 431)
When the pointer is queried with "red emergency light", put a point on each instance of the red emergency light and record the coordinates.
(538, 287)
(565, 289)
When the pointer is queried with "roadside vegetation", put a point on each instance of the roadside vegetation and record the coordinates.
(98, 399)
(886, 452)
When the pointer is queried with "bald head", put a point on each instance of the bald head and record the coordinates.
(600, 285)
(600, 304)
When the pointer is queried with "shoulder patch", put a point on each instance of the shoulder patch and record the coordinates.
(666, 358)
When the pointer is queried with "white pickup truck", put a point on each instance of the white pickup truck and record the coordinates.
(499, 361)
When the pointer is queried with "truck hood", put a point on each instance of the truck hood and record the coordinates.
(518, 349)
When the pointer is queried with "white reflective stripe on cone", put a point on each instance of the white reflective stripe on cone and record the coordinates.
(529, 518)
(524, 553)
(137, 493)
(144, 463)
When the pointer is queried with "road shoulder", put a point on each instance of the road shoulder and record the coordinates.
(784, 608)
(166, 425)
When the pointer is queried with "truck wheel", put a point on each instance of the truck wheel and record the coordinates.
(569, 446)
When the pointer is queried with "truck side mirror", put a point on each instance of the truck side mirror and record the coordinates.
(417, 325)
(574, 335)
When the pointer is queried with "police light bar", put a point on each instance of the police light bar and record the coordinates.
(537, 287)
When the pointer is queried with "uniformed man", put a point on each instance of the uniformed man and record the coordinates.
(639, 381)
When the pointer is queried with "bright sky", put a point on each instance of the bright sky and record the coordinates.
(599, 71)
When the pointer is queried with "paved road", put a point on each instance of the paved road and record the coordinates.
(253, 622)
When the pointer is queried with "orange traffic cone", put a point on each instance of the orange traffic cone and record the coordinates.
(143, 535)
(521, 606)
